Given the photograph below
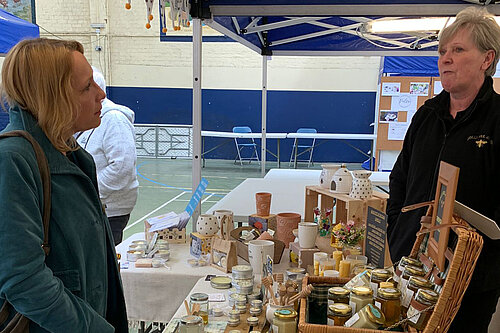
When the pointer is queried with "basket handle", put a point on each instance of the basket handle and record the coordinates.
(427, 230)
(416, 206)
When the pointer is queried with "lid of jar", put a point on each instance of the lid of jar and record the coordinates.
(428, 295)
(381, 273)
(296, 270)
(340, 308)
(241, 268)
(238, 297)
(338, 291)
(252, 321)
(414, 270)
(285, 313)
(199, 297)
(362, 291)
(411, 261)
(191, 320)
(389, 293)
(420, 282)
(234, 312)
(374, 314)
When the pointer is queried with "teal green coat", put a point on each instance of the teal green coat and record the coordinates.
(77, 288)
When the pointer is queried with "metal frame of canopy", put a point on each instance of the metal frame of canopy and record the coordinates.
(296, 13)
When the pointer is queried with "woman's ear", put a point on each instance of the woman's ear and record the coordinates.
(489, 56)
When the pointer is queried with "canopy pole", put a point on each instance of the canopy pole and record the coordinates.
(196, 167)
(264, 116)
(376, 119)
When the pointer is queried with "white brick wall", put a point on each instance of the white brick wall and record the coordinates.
(134, 56)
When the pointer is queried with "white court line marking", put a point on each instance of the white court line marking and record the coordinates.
(211, 195)
(157, 209)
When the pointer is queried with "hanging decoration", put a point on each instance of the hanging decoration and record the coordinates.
(179, 13)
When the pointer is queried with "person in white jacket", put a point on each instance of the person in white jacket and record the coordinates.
(112, 144)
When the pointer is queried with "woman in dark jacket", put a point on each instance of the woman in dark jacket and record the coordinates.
(460, 126)
(49, 87)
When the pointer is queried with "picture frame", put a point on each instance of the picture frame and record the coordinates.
(24, 9)
(442, 212)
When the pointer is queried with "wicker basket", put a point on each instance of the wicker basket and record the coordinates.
(464, 260)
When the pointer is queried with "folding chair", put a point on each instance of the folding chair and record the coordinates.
(242, 144)
(303, 147)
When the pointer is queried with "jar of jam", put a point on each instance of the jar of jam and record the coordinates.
(389, 301)
(369, 317)
(422, 300)
(414, 283)
(379, 275)
(338, 314)
(410, 271)
(285, 321)
(338, 295)
(199, 301)
(360, 296)
(405, 261)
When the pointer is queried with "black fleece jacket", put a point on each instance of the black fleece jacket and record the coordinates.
(471, 142)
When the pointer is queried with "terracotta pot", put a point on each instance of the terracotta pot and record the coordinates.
(263, 203)
(285, 223)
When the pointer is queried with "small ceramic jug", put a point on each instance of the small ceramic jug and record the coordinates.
(225, 221)
(361, 185)
(327, 174)
(207, 225)
(341, 181)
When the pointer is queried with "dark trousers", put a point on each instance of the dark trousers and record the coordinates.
(475, 313)
(118, 223)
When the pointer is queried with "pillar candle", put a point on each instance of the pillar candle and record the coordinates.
(337, 256)
(345, 268)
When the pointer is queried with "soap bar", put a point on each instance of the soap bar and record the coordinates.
(144, 263)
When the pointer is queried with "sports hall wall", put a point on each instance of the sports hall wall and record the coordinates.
(331, 94)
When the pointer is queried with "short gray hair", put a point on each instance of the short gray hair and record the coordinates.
(484, 30)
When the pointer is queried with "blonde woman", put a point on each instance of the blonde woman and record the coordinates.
(49, 87)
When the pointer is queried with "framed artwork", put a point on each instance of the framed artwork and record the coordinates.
(442, 212)
(24, 9)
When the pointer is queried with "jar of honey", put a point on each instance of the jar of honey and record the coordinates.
(389, 301)
(360, 296)
(423, 299)
(379, 275)
(338, 295)
(338, 314)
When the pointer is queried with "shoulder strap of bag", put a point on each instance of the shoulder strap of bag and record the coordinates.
(19, 323)
(43, 166)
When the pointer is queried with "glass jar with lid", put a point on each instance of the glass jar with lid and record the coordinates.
(369, 317)
(360, 296)
(198, 302)
(389, 301)
(410, 271)
(423, 299)
(285, 321)
(379, 275)
(405, 261)
(414, 283)
(338, 314)
(191, 324)
(338, 295)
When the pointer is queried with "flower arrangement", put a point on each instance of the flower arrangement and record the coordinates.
(348, 235)
(322, 217)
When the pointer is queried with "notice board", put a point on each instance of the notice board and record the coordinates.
(399, 98)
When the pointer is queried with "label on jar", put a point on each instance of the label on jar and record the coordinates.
(378, 305)
(352, 320)
(404, 284)
(330, 322)
(374, 288)
(353, 306)
(408, 295)
(275, 329)
(413, 315)
(396, 278)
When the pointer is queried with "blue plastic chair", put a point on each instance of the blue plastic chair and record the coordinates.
(303, 146)
(245, 144)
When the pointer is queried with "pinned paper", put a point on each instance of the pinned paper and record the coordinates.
(404, 102)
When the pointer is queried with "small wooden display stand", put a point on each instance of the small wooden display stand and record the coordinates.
(244, 327)
(347, 207)
(174, 235)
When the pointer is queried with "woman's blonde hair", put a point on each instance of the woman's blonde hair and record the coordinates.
(484, 31)
(36, 75)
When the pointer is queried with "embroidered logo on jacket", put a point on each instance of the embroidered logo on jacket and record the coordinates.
(480, 140)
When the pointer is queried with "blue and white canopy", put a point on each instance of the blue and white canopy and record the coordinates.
(13, 30)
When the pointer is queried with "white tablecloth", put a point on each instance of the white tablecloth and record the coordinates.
(155, 294)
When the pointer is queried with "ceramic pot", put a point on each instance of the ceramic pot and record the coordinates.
(207, 225)
(263, 203)
(225, 222)
(285, 223)
(361, 185)
(327, 173)
(342, 181)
